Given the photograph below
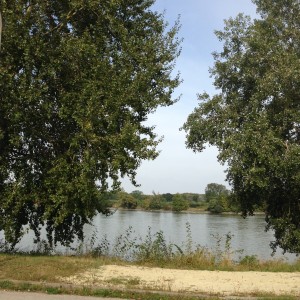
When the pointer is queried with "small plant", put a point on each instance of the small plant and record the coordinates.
(102, 249)
(223, 255)
(133, 281)
(93, 248)
(43, 248)
(250, 261)
(125, 245)
(154, 248)
(189, 239)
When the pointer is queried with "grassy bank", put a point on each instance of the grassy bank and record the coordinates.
(42, 269)
(105, 293)
(42, 273)
(50, 268)
(152, 250)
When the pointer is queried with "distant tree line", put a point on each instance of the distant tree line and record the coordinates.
(217, 199)
(168, 201)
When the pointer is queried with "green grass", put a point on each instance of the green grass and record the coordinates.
(20, 271)
(97, 292)
(122, 294)
(138, 295)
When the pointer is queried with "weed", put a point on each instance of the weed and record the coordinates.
(124, 281)
(102, 249)
(53, 291)
(153, 250)
(42, 248)
(125, 245)
(134, 281)
(250, 261)
(189, 239)
(5, 285)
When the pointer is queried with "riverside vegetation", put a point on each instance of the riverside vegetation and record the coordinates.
(46, 265)
(152, 250)
(216, 199)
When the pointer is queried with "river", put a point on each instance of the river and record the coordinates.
(247, 234)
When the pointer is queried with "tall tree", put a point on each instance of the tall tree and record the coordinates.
(214, 191)
(78, 80)
(255, 118)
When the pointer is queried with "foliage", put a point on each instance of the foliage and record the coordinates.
(138, 195)
(179, 203)
(154, 247)
(155, 201)
(250, 261)
(215, 206)
(168, 197)
(78, 80)
(127, 201)
(215, 190)
(254, 119)
(217, 197)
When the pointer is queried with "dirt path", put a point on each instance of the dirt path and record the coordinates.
(208, 282)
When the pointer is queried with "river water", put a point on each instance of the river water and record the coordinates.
(248, 234)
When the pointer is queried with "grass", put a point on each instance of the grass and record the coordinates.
(85, 291)
(28, 269)
(129, 282)
(46, 268)
(152, 251)
(122, 294)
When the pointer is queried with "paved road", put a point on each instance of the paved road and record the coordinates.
(5, 295)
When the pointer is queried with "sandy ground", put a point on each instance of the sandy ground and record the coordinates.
(208, 282)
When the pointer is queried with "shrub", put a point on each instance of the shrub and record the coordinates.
(179, 203)
(127, 201)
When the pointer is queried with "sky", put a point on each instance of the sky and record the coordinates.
(177, 169)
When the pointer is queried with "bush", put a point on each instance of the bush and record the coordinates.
(214, 206)
(155, 202)
(179, 203)
(250, 261)
(127, 201)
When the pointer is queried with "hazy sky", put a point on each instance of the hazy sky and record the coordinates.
(177, 169)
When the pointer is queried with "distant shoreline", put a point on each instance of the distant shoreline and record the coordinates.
(189, 211)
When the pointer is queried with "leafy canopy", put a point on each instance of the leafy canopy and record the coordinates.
(255, 118)
(77, 82)
(215, 190)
